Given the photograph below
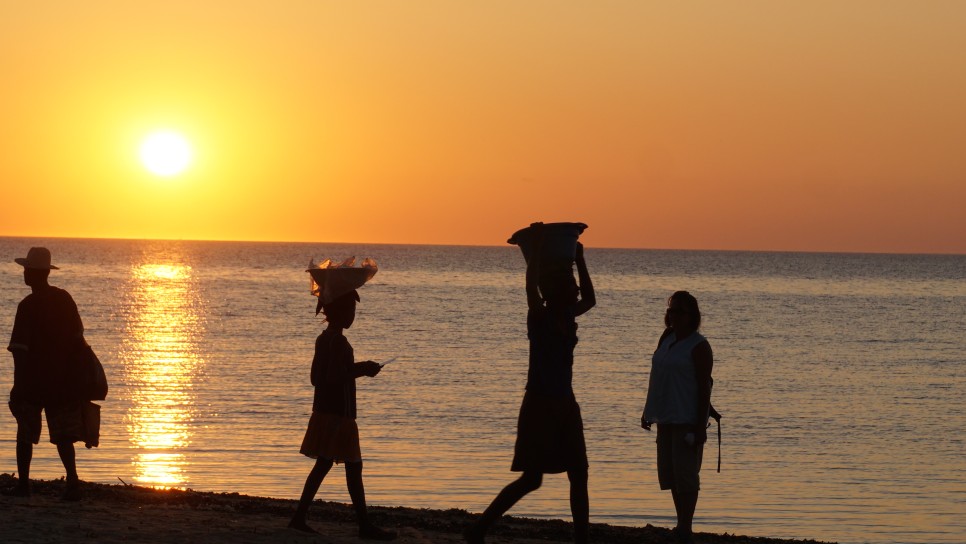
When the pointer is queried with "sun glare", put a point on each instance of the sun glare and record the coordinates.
(165, 153)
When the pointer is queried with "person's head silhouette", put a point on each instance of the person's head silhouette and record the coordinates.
(341, 312)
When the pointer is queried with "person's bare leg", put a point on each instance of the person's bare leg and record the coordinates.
(312, 484)
(69, 458)
(579, 505)
(25, 453)
(357, 492)
(685, 503)
(510, 495)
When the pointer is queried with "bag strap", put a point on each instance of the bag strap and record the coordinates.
(718, 420)
(716, 416)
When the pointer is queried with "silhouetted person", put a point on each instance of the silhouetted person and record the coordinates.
(332, 435)
(46, 333)
(679, 401)
(550, 434)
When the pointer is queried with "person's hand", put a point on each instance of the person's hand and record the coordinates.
(645, 424)
(371, 368)
(700, 434)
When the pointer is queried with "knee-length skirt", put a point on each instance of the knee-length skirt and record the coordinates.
(331, 436)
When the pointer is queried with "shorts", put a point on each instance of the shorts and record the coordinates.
(550, 436)
(332, 437)
(65, 423)
(678, 462)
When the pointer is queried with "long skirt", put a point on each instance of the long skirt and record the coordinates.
(550, 436)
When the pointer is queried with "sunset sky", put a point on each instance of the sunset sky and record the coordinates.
(814, 126)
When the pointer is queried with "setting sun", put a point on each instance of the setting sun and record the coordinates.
(165, 153)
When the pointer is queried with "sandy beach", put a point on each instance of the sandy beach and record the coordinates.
(127, 513)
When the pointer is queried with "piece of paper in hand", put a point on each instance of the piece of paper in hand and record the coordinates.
(384, 363)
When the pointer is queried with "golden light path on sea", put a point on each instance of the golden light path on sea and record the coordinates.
(161, 365)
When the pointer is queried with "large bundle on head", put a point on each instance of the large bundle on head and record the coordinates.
(331, 280)
(558, 249)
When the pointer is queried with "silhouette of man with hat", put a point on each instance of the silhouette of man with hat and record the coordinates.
(46, 333)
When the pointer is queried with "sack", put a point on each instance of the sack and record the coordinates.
(93, 384)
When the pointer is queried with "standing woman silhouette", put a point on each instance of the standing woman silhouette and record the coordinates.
(679, 401)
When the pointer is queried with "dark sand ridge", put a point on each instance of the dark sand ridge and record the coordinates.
(126, 513)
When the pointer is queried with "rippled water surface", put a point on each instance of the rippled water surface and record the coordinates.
(841, 378)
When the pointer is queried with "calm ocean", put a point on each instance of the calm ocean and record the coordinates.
(841, 379)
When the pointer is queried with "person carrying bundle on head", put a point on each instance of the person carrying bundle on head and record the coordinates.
(550, 434)
(332, 435)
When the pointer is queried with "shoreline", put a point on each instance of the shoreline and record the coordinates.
(114, 513)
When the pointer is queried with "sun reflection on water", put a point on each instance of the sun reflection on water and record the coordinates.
(162, 363)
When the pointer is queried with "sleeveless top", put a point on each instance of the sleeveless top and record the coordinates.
(672, 391)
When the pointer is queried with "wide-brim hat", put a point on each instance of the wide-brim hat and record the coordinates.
(37, 257)
(332, 280)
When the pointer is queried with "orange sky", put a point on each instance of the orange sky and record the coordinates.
(815, 126)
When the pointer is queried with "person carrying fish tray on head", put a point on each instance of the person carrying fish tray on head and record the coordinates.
(550, 434)
(332, 435)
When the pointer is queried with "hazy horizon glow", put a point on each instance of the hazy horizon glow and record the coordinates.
(752, 126)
